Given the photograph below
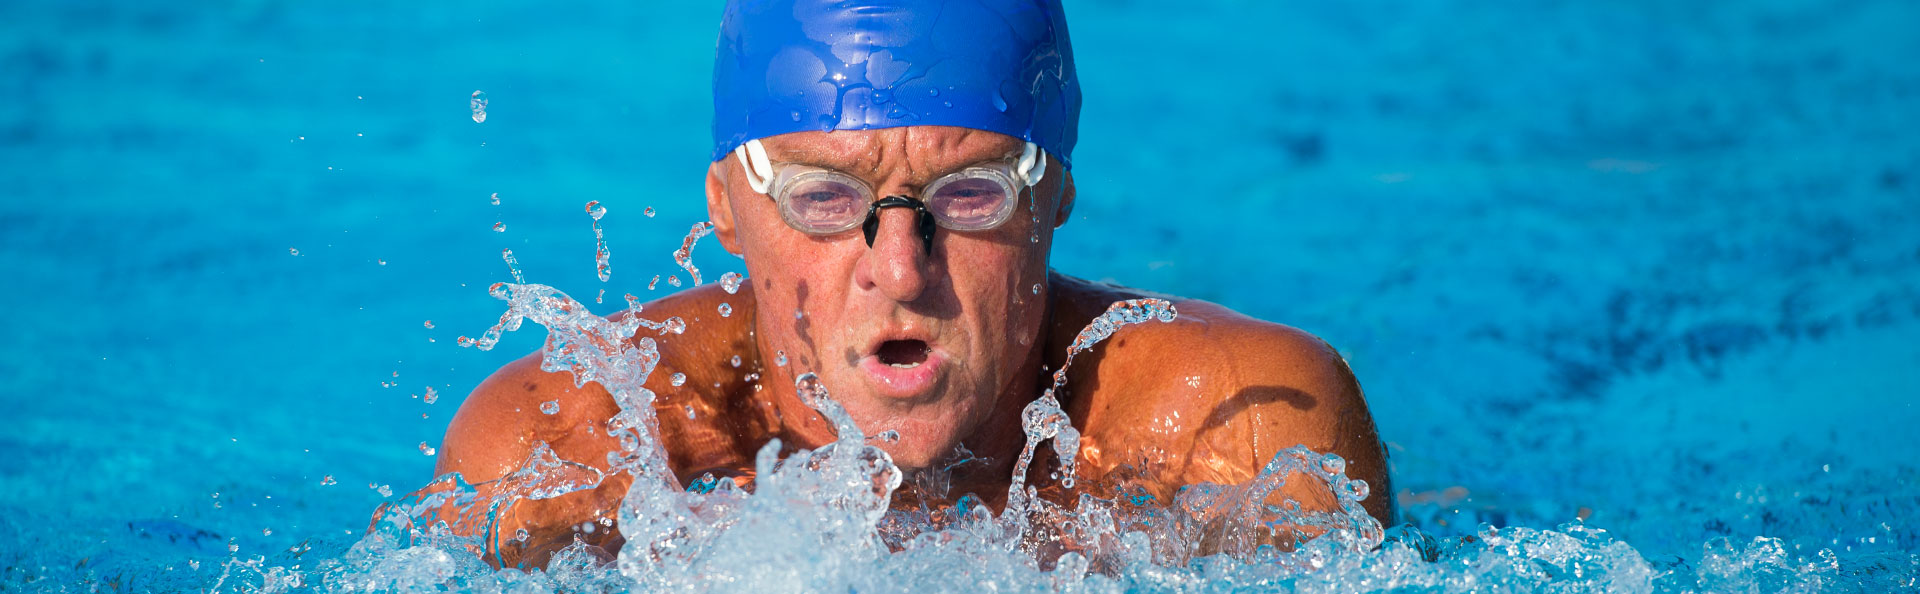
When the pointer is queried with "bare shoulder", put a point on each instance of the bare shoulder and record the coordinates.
(1215, 394)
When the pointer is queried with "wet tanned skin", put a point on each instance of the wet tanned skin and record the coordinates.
(1210, 397)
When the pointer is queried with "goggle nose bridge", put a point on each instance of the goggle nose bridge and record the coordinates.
(923, 219)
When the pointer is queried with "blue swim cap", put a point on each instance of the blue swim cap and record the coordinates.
(997, 65)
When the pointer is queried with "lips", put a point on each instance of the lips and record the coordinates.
(902, 365)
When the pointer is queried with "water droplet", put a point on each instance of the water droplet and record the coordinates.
(496, 198)
(385, 491)
(512, 265)
(684, 255)
(676, 325)
(795, 115)
(736, 361)
(678, 379)
(293, 251)
(999, 102)
(648, 212)
(780, 358)
(888, 436)
(430, 396)
(266, 532)
(550, 407)
(1036, 288)
(653, 283)
(601, 298)
(499, 227)
(479, 105)
(673, 280)
(689, 411)
(797, 314)
(730, 282)
(726, 311)
(328, 481)
(933, 92)
(426, 449)
(601, 254)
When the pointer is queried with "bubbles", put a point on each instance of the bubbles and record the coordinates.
(730, 282)
(478, 101)
(550, 407)
(426, 449)
(726, 311)
(678, 379)
(430, 396)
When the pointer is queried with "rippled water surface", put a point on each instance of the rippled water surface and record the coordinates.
(1633, 288)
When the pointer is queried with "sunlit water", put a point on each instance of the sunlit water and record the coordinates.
(1652, 265)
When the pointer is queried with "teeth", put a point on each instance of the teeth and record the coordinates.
(903, 365)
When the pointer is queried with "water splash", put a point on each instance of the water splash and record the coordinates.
(726, 311)
(495, 198)
(512, 265)
(1043, 419)
(730, 282)
(478, 101)
(600, 252)
(684, 255)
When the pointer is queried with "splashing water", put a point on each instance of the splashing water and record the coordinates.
(731, 282)
(495, 198)
(512, 265)
(1042, 419)
(600, 253)
(726, 311)
(684, 255)
(478, 102)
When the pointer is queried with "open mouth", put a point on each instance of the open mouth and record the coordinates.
(903, 354)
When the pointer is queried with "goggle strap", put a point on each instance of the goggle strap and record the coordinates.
(1032, 165)
(759, 169)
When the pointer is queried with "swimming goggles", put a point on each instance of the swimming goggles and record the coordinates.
(821, 201)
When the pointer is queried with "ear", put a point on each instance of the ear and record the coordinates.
(1064, 198)
(720, 207)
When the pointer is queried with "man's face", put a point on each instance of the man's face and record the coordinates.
(922, 343)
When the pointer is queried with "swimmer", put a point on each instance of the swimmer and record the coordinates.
(893, 181)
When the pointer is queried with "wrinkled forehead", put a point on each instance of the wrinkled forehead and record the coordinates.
(909, 150)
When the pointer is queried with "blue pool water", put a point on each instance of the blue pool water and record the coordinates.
(1655, 266)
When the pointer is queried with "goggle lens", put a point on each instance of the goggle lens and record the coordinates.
(972, 200)
(824, 202)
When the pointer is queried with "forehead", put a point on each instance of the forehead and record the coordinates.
(908, 149)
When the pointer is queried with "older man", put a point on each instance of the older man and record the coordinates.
(893, 176)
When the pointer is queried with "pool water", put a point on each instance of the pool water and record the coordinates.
(1652, 268)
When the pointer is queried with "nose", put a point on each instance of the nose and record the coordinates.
(898, 264)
